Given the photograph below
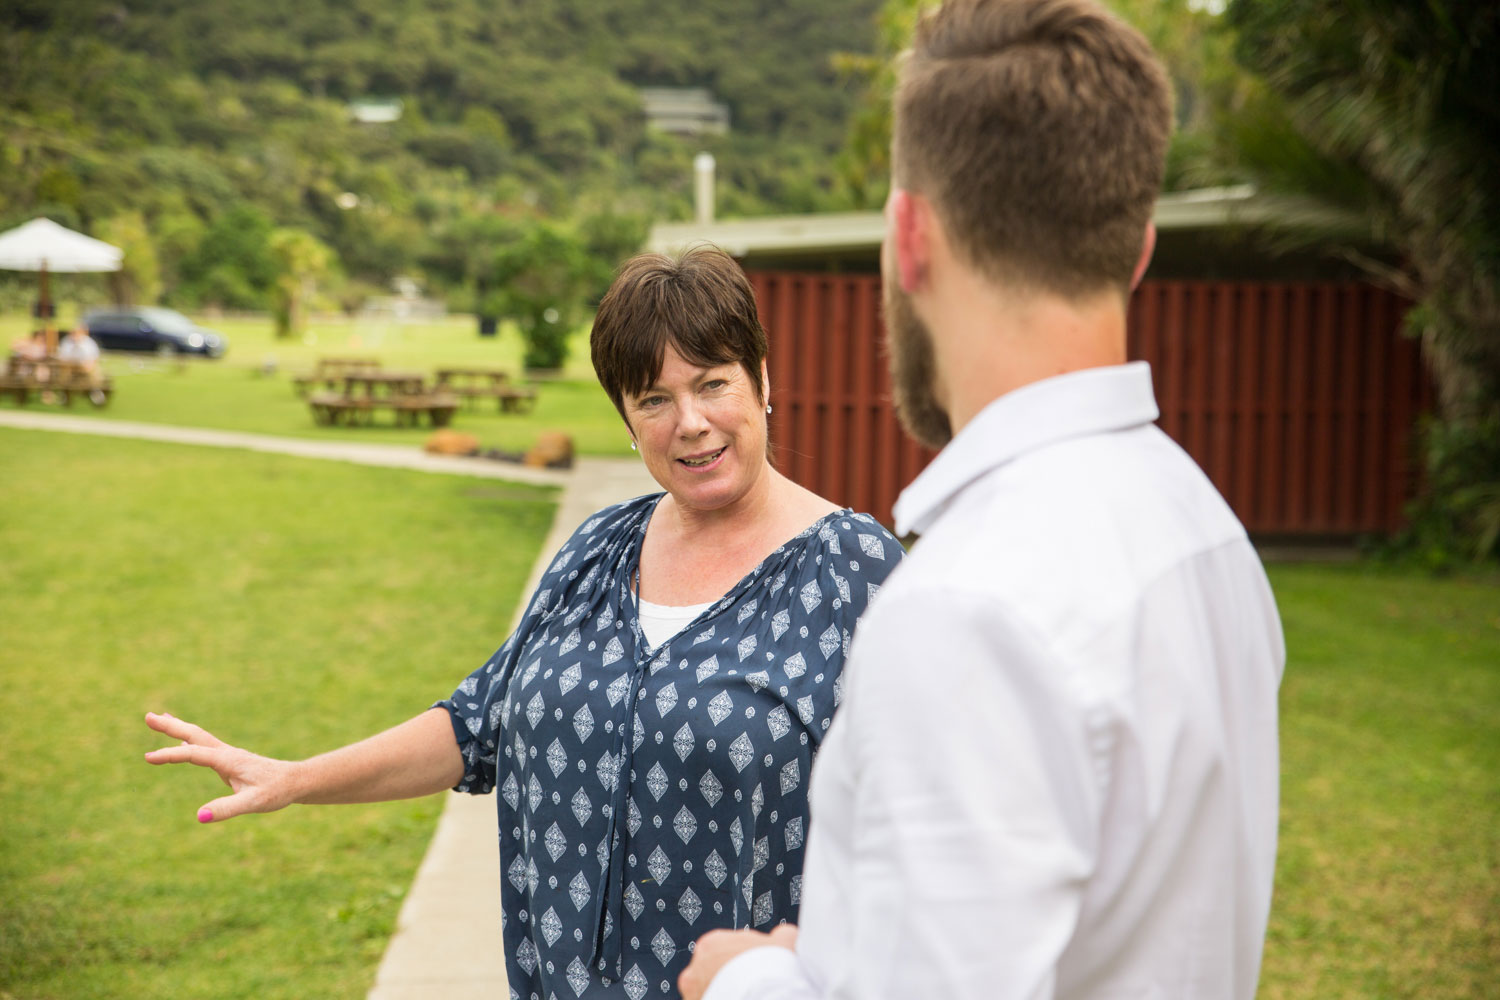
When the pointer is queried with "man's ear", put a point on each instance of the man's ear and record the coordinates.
(1148, 247)
(909, 221)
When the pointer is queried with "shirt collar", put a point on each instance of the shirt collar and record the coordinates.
(1078, 404)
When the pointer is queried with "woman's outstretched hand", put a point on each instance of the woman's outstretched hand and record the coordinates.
(259, 784)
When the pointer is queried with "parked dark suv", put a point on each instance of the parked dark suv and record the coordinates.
(164, 331)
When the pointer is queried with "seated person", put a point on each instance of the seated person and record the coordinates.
(80, 349)
(32, 348)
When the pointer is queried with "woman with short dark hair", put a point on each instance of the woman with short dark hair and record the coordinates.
(651, 724)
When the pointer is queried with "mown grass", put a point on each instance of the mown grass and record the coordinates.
(1388, 876)
(296, 605)
(235, 393)
(289, 605)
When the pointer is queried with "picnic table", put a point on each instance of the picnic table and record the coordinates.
(53, 380)
(329, 373)
(364, 393)
(474, 384)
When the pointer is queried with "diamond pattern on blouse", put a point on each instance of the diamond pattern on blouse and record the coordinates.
(578, 977)
(617, 689)
(689, 906)
(812, 596)
(741, 752)
(634, 901)
(556, 841)
(557, 757)
(711, 788)
(666, 700)
(583, 723)
(794, 833)
(697, 821)
(635, 983)
(656, 781)
(685, 824)
(552, 926)
(579, 891)
(682, 743)
(658, 865)
(829, 642)
(663, 947)
(715, 869)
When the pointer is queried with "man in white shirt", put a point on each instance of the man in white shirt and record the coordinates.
(1055, 770)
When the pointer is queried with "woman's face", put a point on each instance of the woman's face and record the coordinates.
(701, 431)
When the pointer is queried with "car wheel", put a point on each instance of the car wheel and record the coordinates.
(164, 349)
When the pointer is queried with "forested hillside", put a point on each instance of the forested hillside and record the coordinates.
(198, 134)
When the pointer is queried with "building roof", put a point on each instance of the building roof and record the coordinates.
(858, 233)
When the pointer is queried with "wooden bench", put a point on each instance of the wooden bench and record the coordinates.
(473, 384)
(329, 373)
(332, 409)
(51, 380)
(365, 393)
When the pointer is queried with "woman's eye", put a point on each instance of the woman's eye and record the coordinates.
(716, 383)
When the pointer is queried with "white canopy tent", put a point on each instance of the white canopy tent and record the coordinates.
(43, 246)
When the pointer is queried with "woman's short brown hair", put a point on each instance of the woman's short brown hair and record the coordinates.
(700, 303)
(1038, 129)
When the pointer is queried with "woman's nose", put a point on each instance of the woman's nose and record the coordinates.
(691, 420)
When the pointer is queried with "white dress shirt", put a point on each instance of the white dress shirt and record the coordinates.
(1055, 770)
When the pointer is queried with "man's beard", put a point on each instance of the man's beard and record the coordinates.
(913, 364)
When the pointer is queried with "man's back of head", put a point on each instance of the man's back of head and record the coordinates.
(1038, 130)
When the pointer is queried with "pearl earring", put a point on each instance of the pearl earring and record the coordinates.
(768, 409)
(632, 445)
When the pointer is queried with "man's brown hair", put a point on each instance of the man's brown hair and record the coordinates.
(1038, 129)
(701, 303)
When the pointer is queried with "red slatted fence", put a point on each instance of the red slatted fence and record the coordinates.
(1298, 399)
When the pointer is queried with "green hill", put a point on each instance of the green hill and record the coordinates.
(188, 131)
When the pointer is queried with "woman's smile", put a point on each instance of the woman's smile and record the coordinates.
(704, 459)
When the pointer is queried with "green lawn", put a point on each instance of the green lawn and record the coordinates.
(1388, 877)
(289, 605)
(294, 605)
(232, 393)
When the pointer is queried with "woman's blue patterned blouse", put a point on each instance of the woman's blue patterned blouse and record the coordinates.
(648, 796)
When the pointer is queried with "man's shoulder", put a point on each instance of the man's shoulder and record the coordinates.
(1075, 528)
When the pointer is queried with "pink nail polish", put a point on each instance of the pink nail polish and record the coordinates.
(205, 815)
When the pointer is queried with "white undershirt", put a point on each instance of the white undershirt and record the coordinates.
(660, 622)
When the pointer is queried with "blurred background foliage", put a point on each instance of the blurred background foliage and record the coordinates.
(193, 132)
(202, 138)
(1373, 121)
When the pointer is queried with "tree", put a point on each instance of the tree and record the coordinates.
(301, 259)
(1181, 31)
(231, 265)
(540, 281)
(139, 277)
(1388, 108)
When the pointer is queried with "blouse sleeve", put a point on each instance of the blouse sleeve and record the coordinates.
(858, 555)
(476, 708)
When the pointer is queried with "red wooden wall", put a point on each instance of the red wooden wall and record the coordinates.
(1298, 399)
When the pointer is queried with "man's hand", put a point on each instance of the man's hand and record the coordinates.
(715, 949)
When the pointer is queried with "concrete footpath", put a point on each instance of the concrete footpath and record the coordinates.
(447, 940)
